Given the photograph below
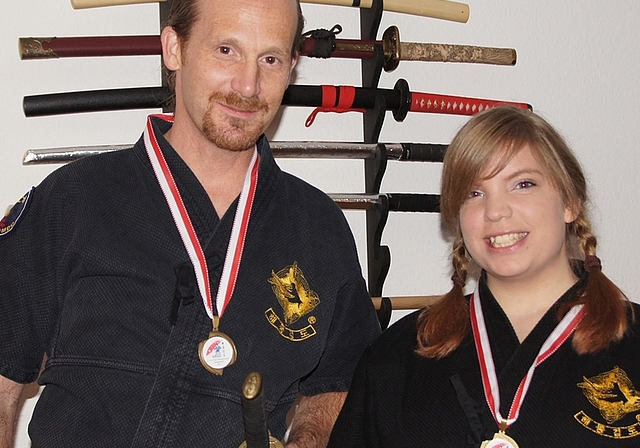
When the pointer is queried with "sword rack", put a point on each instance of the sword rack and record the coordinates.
(378, 256)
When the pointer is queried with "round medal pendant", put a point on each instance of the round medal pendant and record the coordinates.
(217, 352)
(500, 440)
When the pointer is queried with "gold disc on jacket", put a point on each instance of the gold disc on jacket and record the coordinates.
(217, 352)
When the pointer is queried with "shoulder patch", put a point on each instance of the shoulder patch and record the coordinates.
(14, 214)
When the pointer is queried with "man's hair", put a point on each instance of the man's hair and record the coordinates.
(184, 13)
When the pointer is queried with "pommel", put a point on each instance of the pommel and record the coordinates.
(252, 386)
(33, 48)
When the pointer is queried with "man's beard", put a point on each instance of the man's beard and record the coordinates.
(234, 134)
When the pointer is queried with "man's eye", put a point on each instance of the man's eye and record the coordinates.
(271, 60)
(225, 50)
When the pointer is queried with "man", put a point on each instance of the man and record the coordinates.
(157, 278)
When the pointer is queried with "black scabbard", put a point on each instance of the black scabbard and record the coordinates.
(157, 97)
(95, 101)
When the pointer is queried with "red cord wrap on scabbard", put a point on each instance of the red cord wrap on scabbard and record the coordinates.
(338, 99)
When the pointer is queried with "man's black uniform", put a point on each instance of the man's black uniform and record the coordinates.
(95, 274)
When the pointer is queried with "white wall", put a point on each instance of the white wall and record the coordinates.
(576, 66)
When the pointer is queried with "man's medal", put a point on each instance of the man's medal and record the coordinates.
(218, 350)
(558, 336)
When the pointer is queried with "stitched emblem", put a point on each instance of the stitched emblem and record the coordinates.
(614, 395)
(14, 214)
(296, 298)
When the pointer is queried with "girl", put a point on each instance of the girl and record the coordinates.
(544, 353)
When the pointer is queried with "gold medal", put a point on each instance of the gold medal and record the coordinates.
(218, 351)
(500, 440)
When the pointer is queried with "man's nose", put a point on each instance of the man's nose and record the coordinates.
(246, 80)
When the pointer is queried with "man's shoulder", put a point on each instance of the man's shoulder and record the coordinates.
(95, 165)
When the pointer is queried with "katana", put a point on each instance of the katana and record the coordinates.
(323, 44)
(412, 152)
(254, 415)
(319, 43)
(326, 98)
(438, 9)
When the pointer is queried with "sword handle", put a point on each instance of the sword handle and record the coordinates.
(455, 105)
(438, 9)
(254, 416)
(411, 51)
(82, 4)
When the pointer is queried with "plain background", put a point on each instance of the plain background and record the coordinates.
(577, 65)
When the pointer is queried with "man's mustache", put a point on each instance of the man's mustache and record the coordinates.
(232, 99)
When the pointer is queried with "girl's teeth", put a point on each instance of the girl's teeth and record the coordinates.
(506, 240)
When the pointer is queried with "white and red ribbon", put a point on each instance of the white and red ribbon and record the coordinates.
(187, 231)
(558, 336)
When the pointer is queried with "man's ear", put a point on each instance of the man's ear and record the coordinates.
(171, 51)
(294, 61)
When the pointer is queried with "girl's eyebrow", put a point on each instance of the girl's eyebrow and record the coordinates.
(524, 171)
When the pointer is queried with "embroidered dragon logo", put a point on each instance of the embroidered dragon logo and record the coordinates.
(614, 395)
(296, 298)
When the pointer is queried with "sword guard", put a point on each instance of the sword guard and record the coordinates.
(402, 86)
(391, 48)
(273, 443)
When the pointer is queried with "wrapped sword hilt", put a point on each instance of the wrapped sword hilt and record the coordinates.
(254, 415)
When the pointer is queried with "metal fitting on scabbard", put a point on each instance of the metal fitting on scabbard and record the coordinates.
(32, 48)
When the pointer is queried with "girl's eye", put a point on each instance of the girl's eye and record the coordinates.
(474, 194)
(525, 184)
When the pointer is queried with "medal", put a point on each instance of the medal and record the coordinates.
(558, 336)
(500, 440)
(218, 350)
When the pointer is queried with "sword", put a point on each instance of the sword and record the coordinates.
(323, 44)
(317, 43)
(438, 9)
(418, 152)
(254, 415)
(326, 98)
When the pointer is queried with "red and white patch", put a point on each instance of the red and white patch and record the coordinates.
(15, 213)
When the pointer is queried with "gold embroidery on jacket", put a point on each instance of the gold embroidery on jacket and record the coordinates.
(296, 298)
(614, 395)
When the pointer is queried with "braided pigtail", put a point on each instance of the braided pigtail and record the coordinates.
(443, 326)
(606, 306)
